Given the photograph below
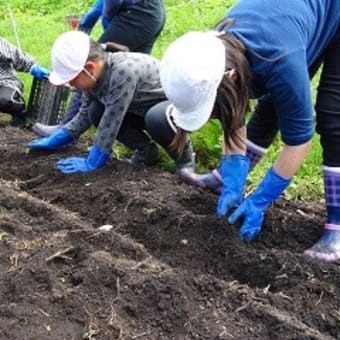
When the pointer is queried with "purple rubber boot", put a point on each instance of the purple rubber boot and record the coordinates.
(328, 246)
(212, 180)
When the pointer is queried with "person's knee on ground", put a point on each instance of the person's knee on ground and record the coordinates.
(132, 135)
(12, 102)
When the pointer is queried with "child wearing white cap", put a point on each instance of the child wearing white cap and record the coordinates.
(267, 50)
(133, 23)
(125, 87)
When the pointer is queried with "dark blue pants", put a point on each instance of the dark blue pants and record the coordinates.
(137, 27)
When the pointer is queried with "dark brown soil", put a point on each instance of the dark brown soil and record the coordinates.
(168, 268)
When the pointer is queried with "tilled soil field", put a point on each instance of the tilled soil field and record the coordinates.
(136, 254)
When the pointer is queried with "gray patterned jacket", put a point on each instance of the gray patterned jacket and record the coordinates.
(13, 59)
(129, 84)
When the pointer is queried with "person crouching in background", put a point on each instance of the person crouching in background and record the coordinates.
(13, 59)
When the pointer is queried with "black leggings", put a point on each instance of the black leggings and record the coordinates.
(132, 131)
(328, 105)
(263, 125)
(159, 125)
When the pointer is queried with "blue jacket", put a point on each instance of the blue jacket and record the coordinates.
(283, 38)
(91, 17)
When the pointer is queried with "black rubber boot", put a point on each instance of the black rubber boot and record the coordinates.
(185, 160)
(146, 155)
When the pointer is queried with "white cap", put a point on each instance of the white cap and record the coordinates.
(69, 54)
(191, 70)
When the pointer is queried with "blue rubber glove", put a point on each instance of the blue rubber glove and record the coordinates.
(39, 72)
(90, 18)
(252, 209)
(95, 160)
(234, 171)
(58, 139)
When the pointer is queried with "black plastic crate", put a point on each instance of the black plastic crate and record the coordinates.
(47, 103)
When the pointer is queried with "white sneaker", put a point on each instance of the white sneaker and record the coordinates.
(43, 130)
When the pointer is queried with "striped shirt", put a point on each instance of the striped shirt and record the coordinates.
(13, 59)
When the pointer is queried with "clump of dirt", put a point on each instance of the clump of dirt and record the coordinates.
(162, 267)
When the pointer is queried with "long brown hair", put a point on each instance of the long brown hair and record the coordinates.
(232, 100)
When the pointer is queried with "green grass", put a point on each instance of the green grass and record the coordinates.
(39, 22)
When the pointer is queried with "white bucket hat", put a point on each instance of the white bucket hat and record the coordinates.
(191, 70)
(69, 54)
